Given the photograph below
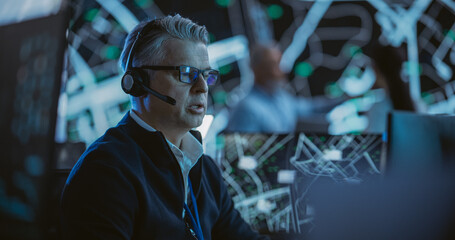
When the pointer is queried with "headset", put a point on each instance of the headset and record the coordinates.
(135, 80)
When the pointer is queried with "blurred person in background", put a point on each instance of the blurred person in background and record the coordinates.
(147, 178)
(268, 107)
(387, 63)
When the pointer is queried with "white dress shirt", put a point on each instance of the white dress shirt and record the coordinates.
(187, 155)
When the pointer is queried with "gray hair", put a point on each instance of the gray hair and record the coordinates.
(149, 49)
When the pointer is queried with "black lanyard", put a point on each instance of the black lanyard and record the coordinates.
(194, 221)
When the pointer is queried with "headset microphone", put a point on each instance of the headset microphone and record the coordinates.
(160, 96)
(134, 80)
(129, 85)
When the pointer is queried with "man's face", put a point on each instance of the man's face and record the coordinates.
(268, 71)
(191, 99)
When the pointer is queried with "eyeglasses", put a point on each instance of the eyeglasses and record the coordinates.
(188, 74)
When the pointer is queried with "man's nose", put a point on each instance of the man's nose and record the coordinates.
(200, 85)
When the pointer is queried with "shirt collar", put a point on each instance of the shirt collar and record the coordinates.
(141, 122)
(190, 146)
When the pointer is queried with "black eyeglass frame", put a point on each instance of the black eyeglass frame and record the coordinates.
(199, 71)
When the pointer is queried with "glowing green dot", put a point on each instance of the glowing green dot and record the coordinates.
(91, 14)
(450, 33)
(219, 97)
(274, 11)
(225, 69)
(144, 3)
(111, 52)
(303, 69)
(224, 3)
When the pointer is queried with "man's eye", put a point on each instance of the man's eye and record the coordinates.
(193, 75)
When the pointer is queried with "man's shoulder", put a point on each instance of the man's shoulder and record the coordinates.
(114, 140)
(211, 168)
(117, 147)
(248, 105)
(250, 109)
(107, 150)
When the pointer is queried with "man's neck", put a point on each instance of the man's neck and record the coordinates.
(173, 135)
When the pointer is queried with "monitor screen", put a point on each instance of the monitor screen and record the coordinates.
(32, 59)
(270, 176)
(419, 142)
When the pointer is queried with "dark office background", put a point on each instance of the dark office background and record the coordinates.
(326, 45)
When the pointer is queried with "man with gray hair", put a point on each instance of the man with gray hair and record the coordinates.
(147, 178)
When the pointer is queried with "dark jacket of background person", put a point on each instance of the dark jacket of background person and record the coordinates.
(128, 185)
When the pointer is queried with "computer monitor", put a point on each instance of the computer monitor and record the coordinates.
(270, 176)
(31, 69)
(413, 200)
(420, 142)
(405, 206)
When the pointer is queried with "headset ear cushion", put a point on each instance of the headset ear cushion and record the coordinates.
(132, 82)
